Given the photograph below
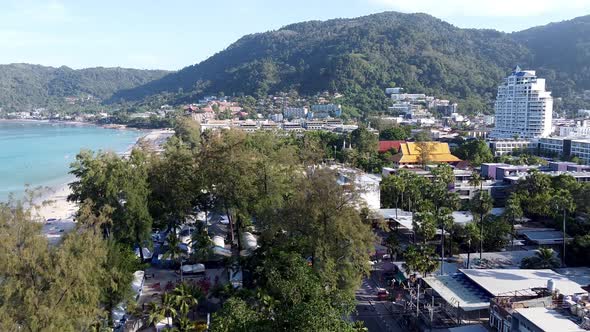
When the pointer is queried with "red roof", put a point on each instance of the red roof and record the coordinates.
(385, 146)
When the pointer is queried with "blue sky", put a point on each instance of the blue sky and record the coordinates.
(175, 33)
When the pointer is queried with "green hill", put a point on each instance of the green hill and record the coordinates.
(353, 56)
(360, 57)
(357, 57)
(561, 53)
(23, 86)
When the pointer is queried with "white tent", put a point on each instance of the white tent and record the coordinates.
(147, 254)
(218, 241)
(193, 269)
(249, 241)
(137, 284)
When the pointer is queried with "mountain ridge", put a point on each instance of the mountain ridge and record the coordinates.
(361, 56)
(24, 86)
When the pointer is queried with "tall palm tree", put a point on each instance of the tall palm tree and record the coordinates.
(513, 212)
(174, 250)
(481, 205)
(563, 202)
(445, 221)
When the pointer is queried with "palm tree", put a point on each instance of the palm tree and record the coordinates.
(174, 250)
(185, 298)
(169, 308)
(544, 259)
(513, 212)
(564, 202)
(155, 314)
(393, 247)
(445, 221)
(201, 244)
(481, 205)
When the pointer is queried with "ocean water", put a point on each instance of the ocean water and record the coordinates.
(39, 153)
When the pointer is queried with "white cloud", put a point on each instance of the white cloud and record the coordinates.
(484, 8)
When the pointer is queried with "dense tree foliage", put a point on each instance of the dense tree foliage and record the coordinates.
(475, 151)
(27, 86)
(289, 297)
(44, 287)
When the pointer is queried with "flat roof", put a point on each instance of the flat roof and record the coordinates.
(549, 320)
(501, 281)
(455, 290)
(581, 275)
(544, 236)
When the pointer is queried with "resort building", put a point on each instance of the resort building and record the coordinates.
(419, 153)
(523, 107)
(295, 112)
(502, 147)
(567, 147)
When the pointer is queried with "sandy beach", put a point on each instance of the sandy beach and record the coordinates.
(55, 212)
(54, 204)
(58, 214)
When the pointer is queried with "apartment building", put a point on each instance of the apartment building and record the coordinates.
(524, 108)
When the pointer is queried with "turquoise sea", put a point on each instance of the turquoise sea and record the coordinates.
(39, 153)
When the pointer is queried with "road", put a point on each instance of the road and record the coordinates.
(372, 312)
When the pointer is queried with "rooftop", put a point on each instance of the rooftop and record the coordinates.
(457, 290)
(549, 320)
(439, 152)
(543, 236)
(501, 281)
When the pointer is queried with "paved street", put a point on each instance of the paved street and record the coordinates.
(374, 313)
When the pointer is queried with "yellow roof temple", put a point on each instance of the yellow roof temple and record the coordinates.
(432, 152)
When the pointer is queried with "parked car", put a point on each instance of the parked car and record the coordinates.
(382, 294)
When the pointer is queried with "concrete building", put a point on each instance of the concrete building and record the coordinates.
(292, 126)
(523, 107)
(314, 125)
(277, 117)
(329, 109)
(295, 112)
(502, 147)
(567, 147)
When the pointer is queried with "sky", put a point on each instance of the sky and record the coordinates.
(172, 34)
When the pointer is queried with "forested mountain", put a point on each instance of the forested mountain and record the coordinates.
(561, 53)
(360, 57)
(357, 57)
(23, 86)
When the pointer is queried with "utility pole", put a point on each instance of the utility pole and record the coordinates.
(442, 262)
(563, 250)
(469, 254)
(418, 300)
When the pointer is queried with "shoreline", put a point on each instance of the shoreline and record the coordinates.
(52, 200)
(70, 122)
(49, 205)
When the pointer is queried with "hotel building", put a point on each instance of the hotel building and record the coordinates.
(523, 107)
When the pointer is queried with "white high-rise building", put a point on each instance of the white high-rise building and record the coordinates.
(523, 107)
